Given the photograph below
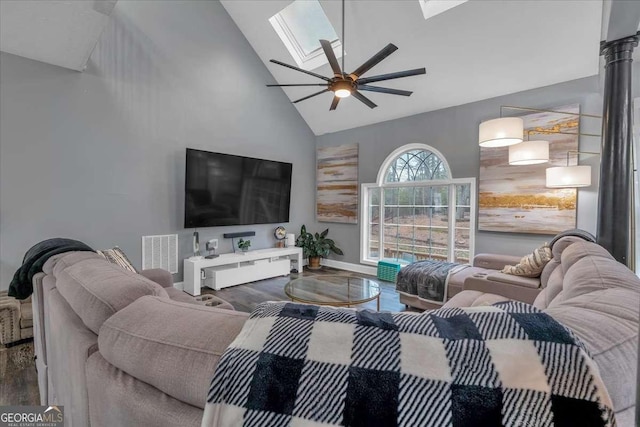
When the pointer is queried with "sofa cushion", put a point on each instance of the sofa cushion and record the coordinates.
(56, 263)
(552, 288)
(118, 399)
(171, 345)
(607, 323)
(525, 282)
(579, 250)
(96, 289)
(530, 265)
(205, 299)
(473, 299)
(26, 315)
(592, 274)
(118, 257)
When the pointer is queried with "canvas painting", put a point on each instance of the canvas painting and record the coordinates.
(514, 199)
(337, 184)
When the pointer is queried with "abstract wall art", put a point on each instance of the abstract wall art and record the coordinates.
(337, 184)
(514, 199)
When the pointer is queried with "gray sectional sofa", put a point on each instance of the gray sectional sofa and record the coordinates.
(118, 349)
(152, 370)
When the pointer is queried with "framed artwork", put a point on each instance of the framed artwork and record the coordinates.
(514, 199)
(337, 184)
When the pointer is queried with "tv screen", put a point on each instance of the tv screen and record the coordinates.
(222, 189)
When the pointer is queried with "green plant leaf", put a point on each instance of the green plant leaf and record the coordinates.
(324, 233)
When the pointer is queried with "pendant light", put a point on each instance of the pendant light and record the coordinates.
(529, 153)
(501, 132)
(569, 176)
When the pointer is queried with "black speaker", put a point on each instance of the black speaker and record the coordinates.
(240, 234)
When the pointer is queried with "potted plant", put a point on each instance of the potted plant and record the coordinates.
(244, 245)
(316, 246)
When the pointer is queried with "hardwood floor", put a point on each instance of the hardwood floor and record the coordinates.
(247, 297)
(18, 377)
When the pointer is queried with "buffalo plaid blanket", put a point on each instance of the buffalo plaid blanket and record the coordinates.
(503, 365)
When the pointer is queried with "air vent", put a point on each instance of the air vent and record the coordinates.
(160, 252)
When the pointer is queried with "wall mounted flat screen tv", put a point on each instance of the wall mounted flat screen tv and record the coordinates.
(222, 189)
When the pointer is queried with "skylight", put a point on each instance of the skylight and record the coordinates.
(431, 8)
(300, 25)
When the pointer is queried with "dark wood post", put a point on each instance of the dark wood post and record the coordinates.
(616, 168)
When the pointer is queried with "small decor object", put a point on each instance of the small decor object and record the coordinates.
(244, 245)
(291, 240)
(118, 257)
(531, 265)
(337, 184)
(388, 270)
(316, 246)
(280, 233)
(515, 199)
(211, 246)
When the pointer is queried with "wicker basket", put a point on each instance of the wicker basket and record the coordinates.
(388, 270)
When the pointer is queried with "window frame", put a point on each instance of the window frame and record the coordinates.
(314, 59)
(382, 185)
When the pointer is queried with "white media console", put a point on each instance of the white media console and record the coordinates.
(236, 268)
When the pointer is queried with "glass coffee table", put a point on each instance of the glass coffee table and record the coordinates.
(340, 291)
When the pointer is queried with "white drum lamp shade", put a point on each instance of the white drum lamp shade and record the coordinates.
(569, 176)
(501, 132)
(529, 153)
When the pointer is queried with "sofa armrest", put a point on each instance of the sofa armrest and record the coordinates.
(160, 276)
(170, 345)
(508, 290)
(473, 299)
(495, 261)
(9, 320)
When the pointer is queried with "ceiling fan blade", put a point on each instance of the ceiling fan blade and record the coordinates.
(300, 69)
(310, 96)
(301, 84)
(390, 76)
(334, 103)
(363, 99)
(374, 60)
(385, 90)
(333, 61)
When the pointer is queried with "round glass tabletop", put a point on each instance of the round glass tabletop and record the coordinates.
(333, 290)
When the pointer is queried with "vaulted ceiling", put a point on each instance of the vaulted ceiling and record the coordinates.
(477, 50)
(58, 32)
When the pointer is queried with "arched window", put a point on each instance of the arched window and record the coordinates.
(416, 210)
(417, 165)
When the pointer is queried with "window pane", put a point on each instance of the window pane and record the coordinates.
(308, 23)
(462, 245)
(417, 165)
(373, 250)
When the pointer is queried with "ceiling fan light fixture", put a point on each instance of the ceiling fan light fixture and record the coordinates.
(342, 88)
(344, 84)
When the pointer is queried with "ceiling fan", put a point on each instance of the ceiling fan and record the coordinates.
(342, 84)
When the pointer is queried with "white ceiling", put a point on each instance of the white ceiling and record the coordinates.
(478, 50)
(58, 32)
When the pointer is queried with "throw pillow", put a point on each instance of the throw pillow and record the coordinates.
(531, 265)
(118, 257)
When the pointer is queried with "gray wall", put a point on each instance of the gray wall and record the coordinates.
(99, 156)
(454, 132)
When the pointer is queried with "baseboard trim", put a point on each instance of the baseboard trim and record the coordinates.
(179, 285)
(356, 268)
